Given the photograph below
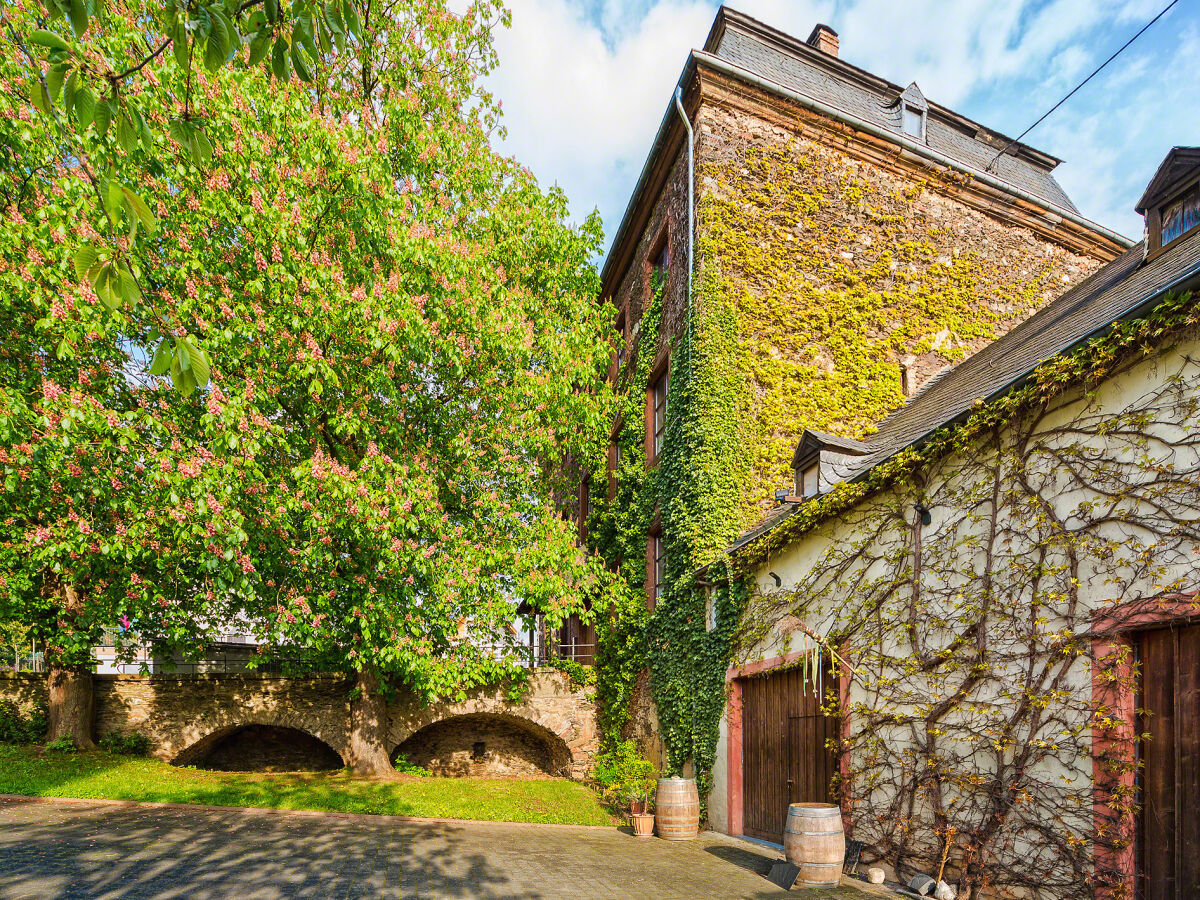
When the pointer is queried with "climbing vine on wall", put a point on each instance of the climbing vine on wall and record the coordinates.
(688, 492)
(985, 648)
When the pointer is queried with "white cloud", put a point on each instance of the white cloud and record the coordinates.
(585, 84)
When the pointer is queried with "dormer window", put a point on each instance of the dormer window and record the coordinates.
(914, 109)
(822, 460)
(1171, 203)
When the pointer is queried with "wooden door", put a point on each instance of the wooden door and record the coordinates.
(1170, 821)
(784, 754)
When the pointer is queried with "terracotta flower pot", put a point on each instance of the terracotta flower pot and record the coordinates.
(643, 824)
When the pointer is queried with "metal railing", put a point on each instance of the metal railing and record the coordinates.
(29, 662)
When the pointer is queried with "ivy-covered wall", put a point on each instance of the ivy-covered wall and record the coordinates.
(818, 275)
(842, 273)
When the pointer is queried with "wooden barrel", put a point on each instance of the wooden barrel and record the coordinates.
(677, 809)
(813, 840)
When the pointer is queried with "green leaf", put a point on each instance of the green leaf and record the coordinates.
(79, 16)
(161, 362)
(272, 8)
(353, 23)
(259, 47)
(203, 146)
(127, 286)
(140, 209)
(102, 117)
(70, 86)
(301, 66)
(181, 43)
(126, 135)
(199, 367)
(105, 287)
(216, 50)
(54, 81)
(49, 39)
(279, 60)
(114, 200)
(85, 258)
(38, 96)
(85, 107)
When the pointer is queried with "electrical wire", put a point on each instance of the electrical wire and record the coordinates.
(1095, 72)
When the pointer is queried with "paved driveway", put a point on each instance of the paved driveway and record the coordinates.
(95, 851)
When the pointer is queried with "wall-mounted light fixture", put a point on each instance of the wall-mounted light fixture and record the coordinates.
(778, 580)
(926, 517)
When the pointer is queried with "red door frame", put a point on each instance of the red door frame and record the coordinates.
(1114, 747)
(734, 677)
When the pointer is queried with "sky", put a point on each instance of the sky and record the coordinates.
(585, 83)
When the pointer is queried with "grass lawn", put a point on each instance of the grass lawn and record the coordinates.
(32, 771)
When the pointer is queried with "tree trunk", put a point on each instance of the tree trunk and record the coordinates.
(369, 726)
(71, 704)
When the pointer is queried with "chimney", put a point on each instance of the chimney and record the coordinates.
(824, 39)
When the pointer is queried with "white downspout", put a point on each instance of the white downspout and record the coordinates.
(691, 203)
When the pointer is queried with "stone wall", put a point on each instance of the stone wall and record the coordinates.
(488, 745)
(188, 717)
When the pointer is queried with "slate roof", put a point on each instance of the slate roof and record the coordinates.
(793, 64)
(1122, 289)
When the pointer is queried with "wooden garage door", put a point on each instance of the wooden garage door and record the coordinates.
(1170, 826)
(784, 757)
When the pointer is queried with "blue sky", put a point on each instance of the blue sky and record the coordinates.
(584, 83)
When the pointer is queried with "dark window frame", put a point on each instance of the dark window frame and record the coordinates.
(1154, 218)
(656, 566)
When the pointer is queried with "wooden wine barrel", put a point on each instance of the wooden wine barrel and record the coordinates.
(677, 809)
(813, 839)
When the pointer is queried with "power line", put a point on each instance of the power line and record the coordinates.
(1095, 72)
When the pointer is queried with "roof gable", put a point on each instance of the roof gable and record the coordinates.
(1179, 164)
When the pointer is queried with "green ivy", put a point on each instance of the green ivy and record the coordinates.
(692, 489)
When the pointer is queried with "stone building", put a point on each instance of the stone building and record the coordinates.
(807, 246)
(981, 633)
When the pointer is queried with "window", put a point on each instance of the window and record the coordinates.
(710, 610)
(620, 354)
(655, 568)
(659, 266)
(914, 122)
(1182, 216)
(658, 415)
(808, 483)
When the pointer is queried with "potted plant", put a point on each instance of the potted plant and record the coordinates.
(627, 780)
(641, 814)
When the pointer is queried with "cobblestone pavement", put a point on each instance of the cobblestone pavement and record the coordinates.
(98, 852)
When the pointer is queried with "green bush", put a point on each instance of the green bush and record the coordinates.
(404, 767)
(62, 745)
(624, 775)
(126, 743)
(20, 727)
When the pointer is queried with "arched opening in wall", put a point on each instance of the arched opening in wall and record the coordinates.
(486, 744)
(260, 748)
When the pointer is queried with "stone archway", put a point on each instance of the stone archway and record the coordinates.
(260, 747)
(486, 744)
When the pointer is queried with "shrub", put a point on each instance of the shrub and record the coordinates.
(624, 775)
(20, 727)
(126, 743)
(404, 767)
(62, 745)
